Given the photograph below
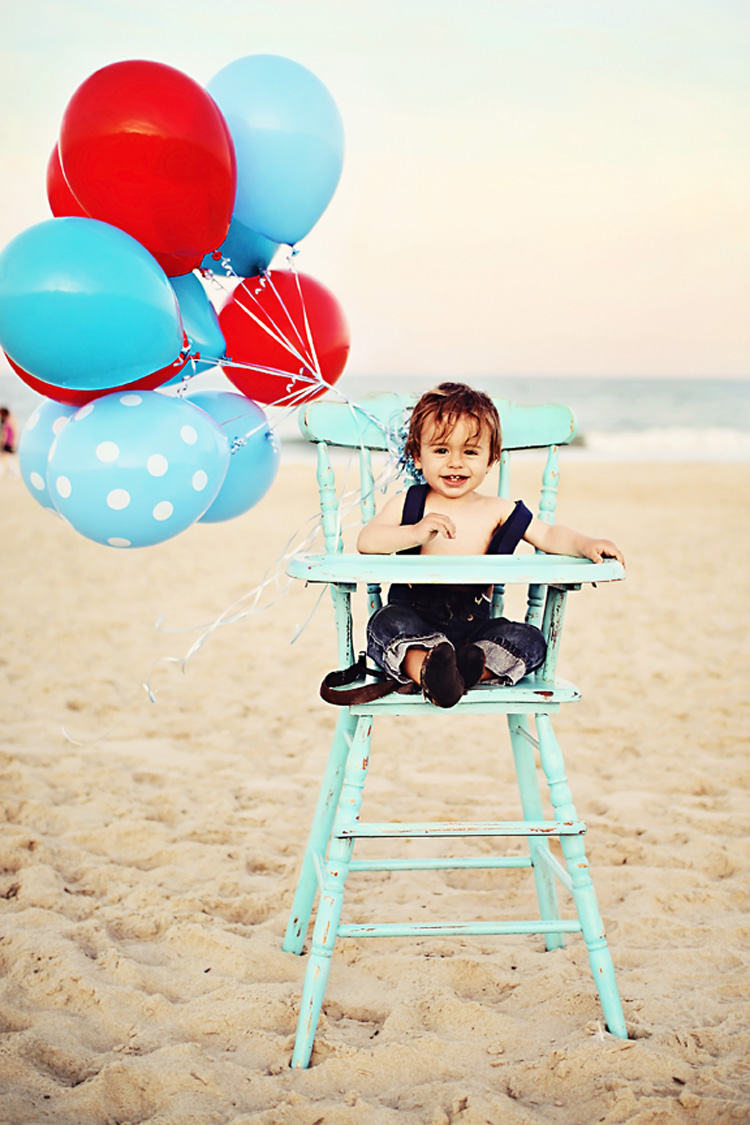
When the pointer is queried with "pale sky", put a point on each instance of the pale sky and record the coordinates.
(529, 186)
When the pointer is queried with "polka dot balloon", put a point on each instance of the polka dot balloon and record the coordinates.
(135, 469)
(40, 431)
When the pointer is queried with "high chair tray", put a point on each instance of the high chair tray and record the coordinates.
(544, 570)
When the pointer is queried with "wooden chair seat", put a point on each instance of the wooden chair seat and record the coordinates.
(484, 699)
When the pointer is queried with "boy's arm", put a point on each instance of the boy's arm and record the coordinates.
(556, 539)
(385, 535)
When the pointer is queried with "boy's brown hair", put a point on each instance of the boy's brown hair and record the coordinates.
(444, 406)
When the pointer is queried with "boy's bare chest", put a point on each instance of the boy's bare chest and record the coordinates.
(475, 524)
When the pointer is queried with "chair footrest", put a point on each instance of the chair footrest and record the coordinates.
(447, 863)
(461, 829)
(456, 929)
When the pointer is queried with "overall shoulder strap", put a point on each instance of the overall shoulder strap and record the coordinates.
(414, 504)
(413, 511)
(509, 535)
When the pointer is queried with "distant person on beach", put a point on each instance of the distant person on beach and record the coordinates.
(443, 638)
(8, 439)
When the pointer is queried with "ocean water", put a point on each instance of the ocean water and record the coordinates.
(618, 418)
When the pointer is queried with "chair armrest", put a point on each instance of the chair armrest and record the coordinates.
(454, 570)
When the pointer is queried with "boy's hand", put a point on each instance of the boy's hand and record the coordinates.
(384, 534)
(434, 524)
(598, 549)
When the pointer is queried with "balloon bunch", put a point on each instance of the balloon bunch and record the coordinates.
(159, 187)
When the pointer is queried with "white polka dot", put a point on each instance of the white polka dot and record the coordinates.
(163, 510)
(63, 486)
(37, 481)
(33, 420)
(52, 449)
(118, 498)
(59, 423)
(157, 465)
(84, 411)
(107, 451)
(200, 480)
(189, 435)
(131, 400)
(116, 541)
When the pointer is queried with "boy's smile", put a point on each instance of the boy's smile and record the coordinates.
(456, 461)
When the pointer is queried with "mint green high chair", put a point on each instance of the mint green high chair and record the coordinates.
(336, 826)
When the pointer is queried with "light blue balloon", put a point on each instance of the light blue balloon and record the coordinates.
(200, 323)
(255, 458)
(40, 431)
(136, 468)
(246, 253)
(84, 305)
(289, 142)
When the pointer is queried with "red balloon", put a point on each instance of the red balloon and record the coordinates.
(145, 148)
(61, 199)
(259, 307)
(79, 398)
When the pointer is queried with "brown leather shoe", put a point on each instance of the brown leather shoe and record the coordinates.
(441, 681)
(470, 661)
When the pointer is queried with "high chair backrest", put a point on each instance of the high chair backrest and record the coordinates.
(378, 422)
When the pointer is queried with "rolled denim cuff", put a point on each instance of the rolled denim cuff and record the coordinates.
(506, 667)
(394, 653)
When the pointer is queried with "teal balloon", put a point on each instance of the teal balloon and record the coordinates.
(84, 306)
(289, 143)
(201, 324)
(255, 456)
(135, 468)
(37, 437)
(245, 253)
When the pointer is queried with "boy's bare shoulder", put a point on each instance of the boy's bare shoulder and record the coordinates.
(498, 507)
(393, 509)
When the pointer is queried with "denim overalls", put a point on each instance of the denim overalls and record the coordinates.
(426, 615)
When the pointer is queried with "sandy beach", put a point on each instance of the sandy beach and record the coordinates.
(149, 850)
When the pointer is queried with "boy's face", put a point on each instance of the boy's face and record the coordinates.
(456, 460)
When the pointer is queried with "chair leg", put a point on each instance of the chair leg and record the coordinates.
(320, 832)
(583, 891)
(531, 805)
(332, 894)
